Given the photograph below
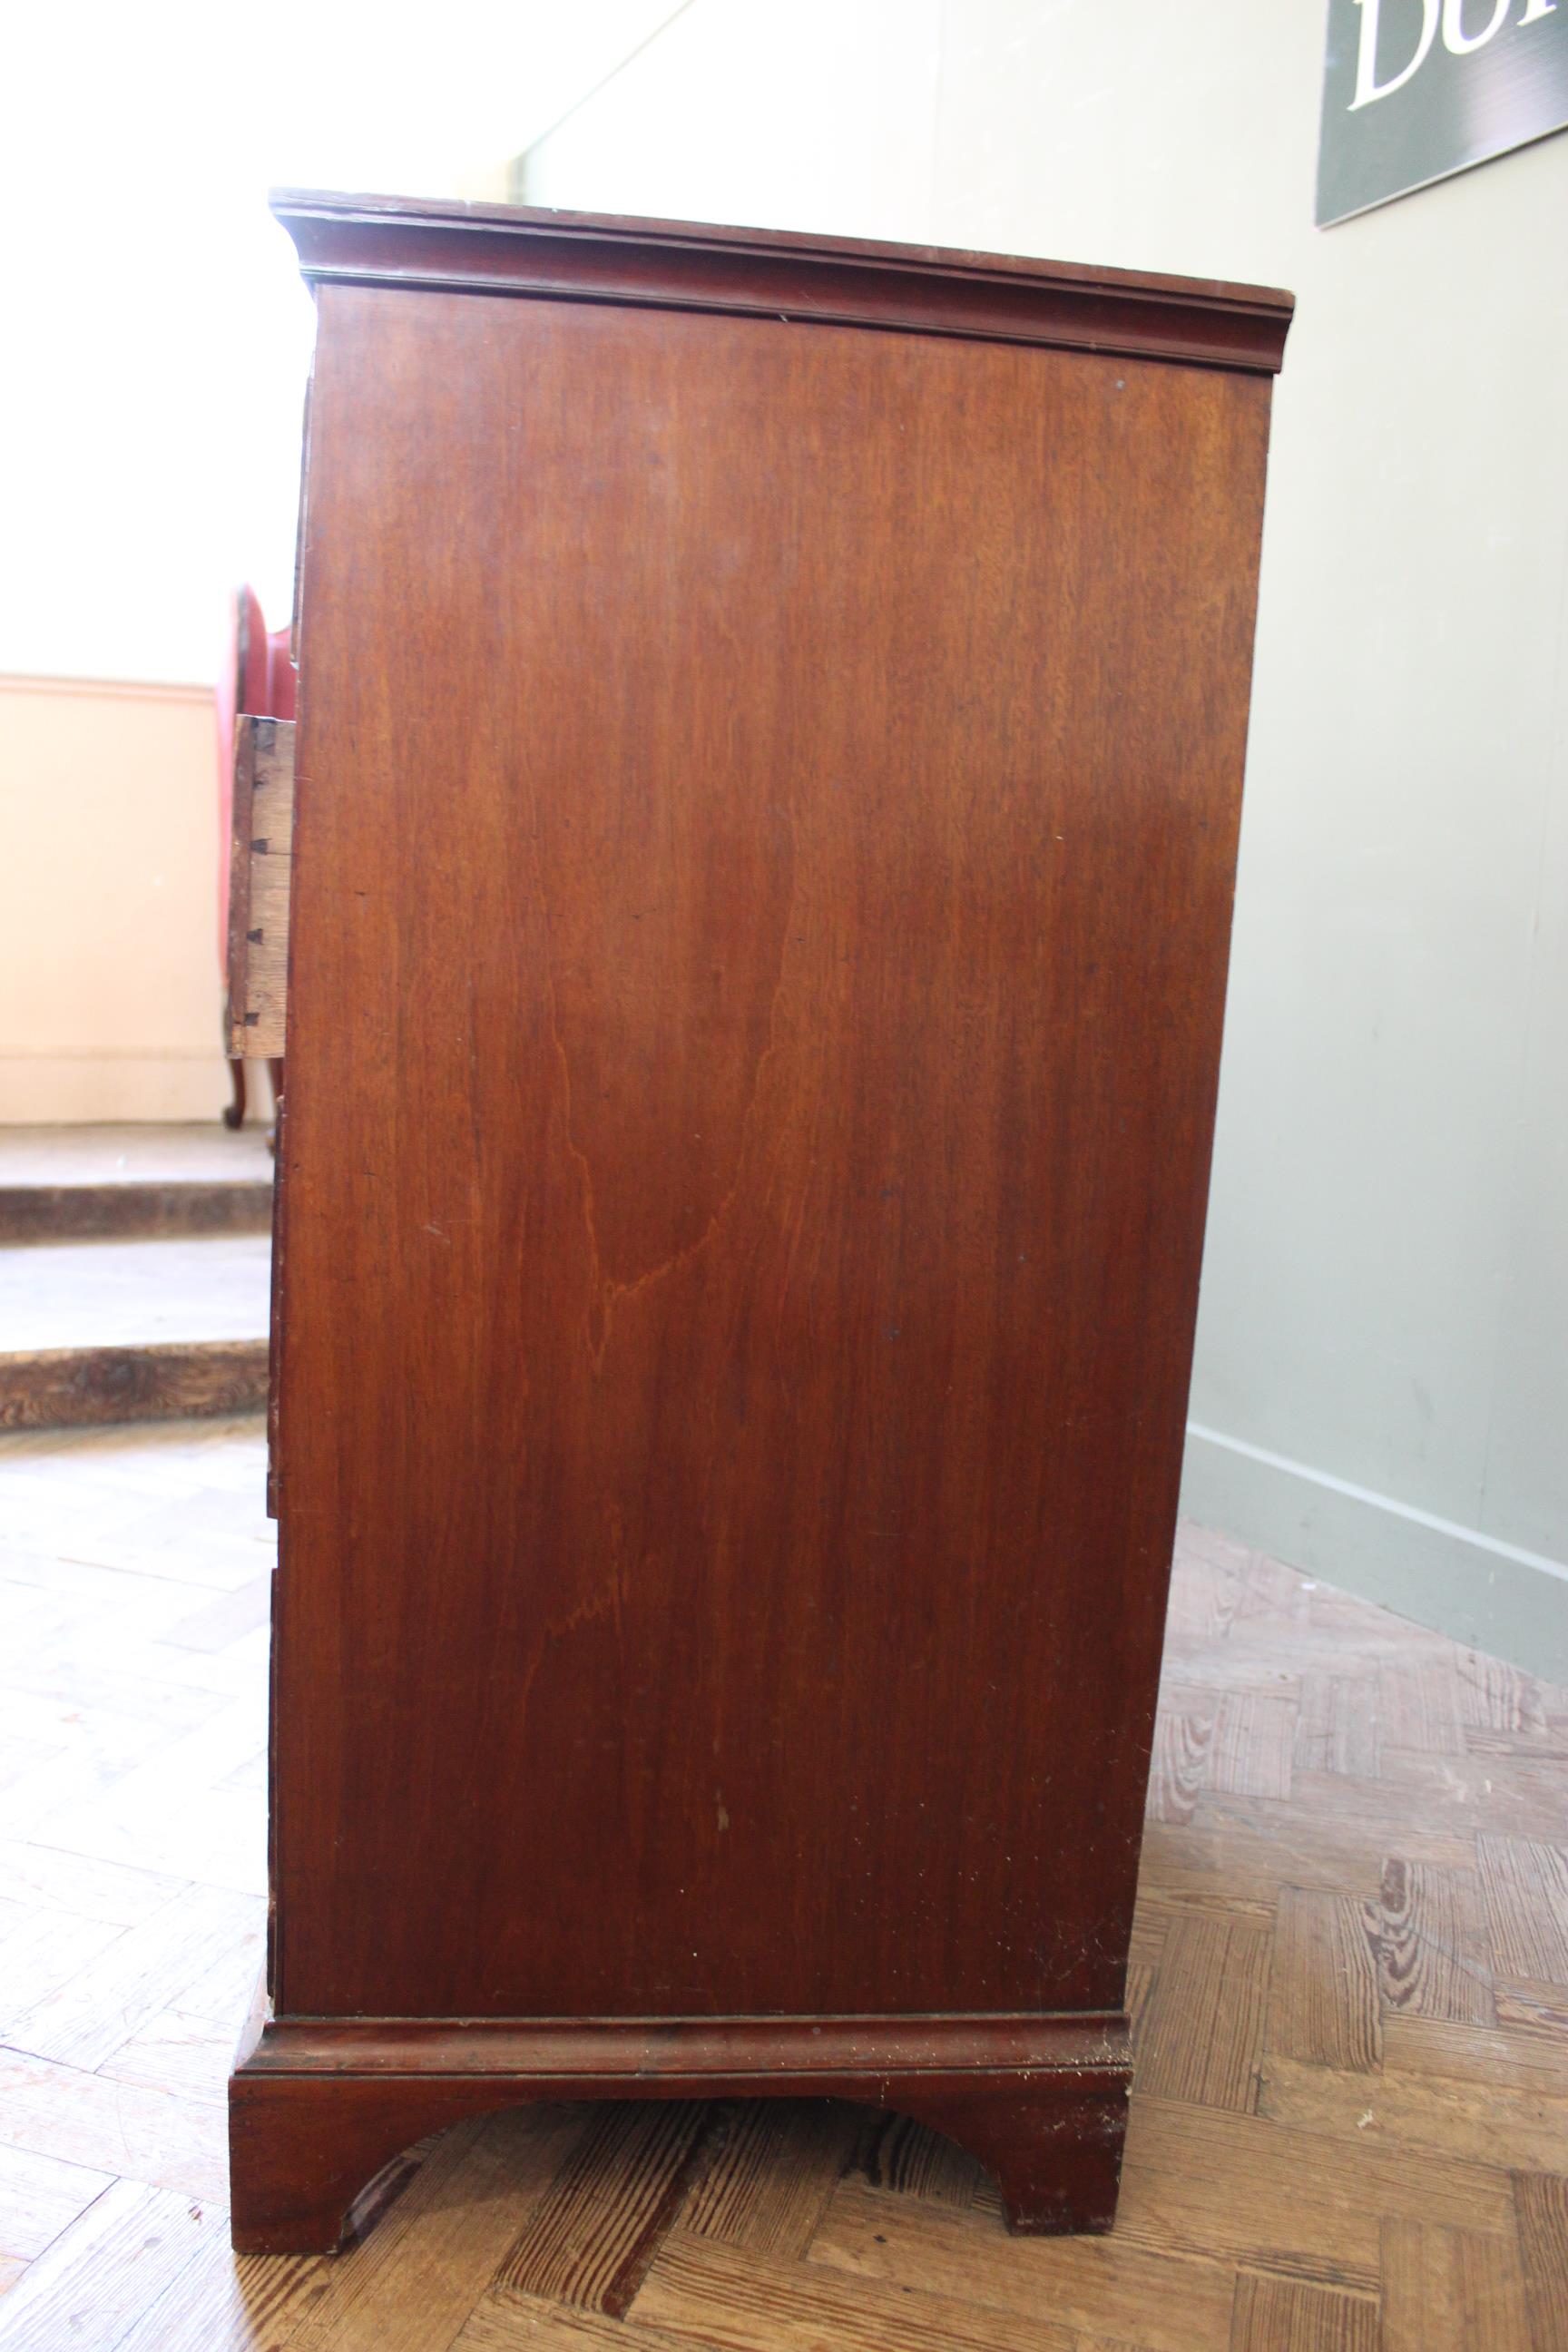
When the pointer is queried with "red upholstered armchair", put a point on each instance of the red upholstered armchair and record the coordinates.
(259, 677)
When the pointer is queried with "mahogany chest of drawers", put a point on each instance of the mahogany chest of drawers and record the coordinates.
(769, 749)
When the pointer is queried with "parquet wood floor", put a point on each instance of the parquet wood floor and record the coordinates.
(1351, 1976)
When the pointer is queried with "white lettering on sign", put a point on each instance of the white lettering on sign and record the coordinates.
(1367, 87)
(1455, 38)
(1450, 14)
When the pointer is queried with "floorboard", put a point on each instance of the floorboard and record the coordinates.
(1349, 1980)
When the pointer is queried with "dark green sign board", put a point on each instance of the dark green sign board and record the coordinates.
(1417, 89)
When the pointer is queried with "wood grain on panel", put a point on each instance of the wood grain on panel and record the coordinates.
(1262, 2194)
(1111, 2288)
(769, 2167)
(1201, 2030)
(39, 2197)
(219, 2302)
(1323, 1995)
(1429, 1941)
(1420, 2110)
(1338, 1730)
(1496, 1696)
(1526, 1886)
(700, 2292)
(1179, 1766)
(454, 2221)
(766, 824)
(1451, 2290)
(1277, 2314)
(1420, 1708)
(118, 2253)
(1521, 2059)
(1254, 1741)
(591, 2237)
(1541, 2201)
(892, 2152)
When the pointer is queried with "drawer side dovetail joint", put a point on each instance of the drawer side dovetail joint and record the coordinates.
(260, 850)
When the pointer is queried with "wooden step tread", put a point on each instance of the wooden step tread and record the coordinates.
(133, 1330)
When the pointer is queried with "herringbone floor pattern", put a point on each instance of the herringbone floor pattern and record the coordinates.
(1350, 1976)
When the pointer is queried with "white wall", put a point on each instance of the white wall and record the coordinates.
(159, 334)
(815, 117)
(1381, 1381)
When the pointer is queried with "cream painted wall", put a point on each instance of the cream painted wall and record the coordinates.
(110, 989)
(1381, 1381)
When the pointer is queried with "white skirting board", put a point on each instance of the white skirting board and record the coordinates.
(1491, 1595)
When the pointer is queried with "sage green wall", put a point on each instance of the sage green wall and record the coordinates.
(1381, 1392)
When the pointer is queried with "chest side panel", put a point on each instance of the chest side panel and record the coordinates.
(766, 825)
